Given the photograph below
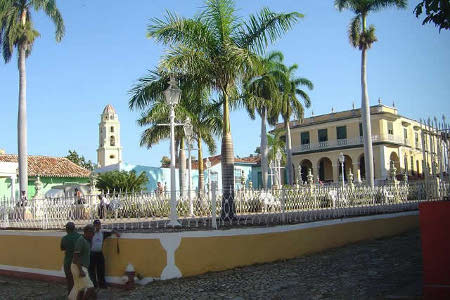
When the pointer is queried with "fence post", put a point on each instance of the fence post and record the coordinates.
(213, 209)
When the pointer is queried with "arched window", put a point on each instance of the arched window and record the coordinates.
(111, 117)
(112, 128)
(112, 141)
(111, 156)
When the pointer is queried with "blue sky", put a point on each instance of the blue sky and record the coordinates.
(105, 50)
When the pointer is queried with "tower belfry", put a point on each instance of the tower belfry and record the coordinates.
(109, 151)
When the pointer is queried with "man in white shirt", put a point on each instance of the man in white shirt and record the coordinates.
(97, 261)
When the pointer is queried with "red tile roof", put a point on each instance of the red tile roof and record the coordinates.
(46, 166)
(256, 159)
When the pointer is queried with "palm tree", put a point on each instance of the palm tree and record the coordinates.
(290, 105)
(206, 118)
(218, 48)
(362, 37)
(261, 93)
(17, 31)
(122, 181)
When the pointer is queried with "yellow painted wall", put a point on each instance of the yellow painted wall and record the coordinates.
(43, 252)
(199, 255)
(206, 251)
(146, 255)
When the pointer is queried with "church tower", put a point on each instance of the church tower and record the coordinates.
(109, 151)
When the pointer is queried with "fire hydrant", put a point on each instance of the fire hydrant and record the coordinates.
(130, 273)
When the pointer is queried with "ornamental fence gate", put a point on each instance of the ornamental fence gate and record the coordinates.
(246, 207)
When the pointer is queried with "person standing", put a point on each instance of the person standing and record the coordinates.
(103, 206)
(97, 266)
(83, 288)
(68, 245)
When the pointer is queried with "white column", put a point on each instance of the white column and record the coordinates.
(13, 188)
(336, 167)
(383, 167)
(357, 172)
(400, 159)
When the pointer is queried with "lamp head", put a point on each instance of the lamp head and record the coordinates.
(173, 92)
(341, 158)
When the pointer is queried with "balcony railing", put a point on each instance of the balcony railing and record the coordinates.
(356, 141)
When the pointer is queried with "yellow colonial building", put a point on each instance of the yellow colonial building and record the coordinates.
(318, 141)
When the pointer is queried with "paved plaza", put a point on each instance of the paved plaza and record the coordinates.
(389, 268)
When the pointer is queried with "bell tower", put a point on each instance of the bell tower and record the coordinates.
(109, 151)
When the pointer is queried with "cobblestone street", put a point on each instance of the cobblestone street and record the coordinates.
(376, 269)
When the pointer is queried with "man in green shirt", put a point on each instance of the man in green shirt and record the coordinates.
(68, 245)
(83, 288)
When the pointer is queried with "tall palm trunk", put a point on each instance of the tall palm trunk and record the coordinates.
(182, 166)
(290, 177)
(22, 123)
(228, 209)
(264, 149)
(365, 115)
(201, 179)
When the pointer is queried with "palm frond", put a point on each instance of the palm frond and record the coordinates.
(210, 143)
(153, 135)
(50, 9)
(377, 5)
(354, 31)
(148, 89)
(219, 17)
(303, 82)
(174, 30)
(264, 28)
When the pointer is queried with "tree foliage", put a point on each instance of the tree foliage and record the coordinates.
(165, 162)
(436, 11)
(74, 157)
(360, 35)
(16, 26)
(121, 181)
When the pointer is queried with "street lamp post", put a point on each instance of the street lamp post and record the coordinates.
(188, 132)
(172, 95)
(342, 160)
(208, 166)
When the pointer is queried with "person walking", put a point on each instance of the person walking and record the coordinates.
(68, 245)
(83, 288)
(97, 266)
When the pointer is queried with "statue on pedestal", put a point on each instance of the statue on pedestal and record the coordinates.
(310, 177)
(92, 183)
(350, 179)
(38, 188)
(393, 172)
(243, 180)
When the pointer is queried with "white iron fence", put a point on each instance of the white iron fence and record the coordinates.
(150, 211)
